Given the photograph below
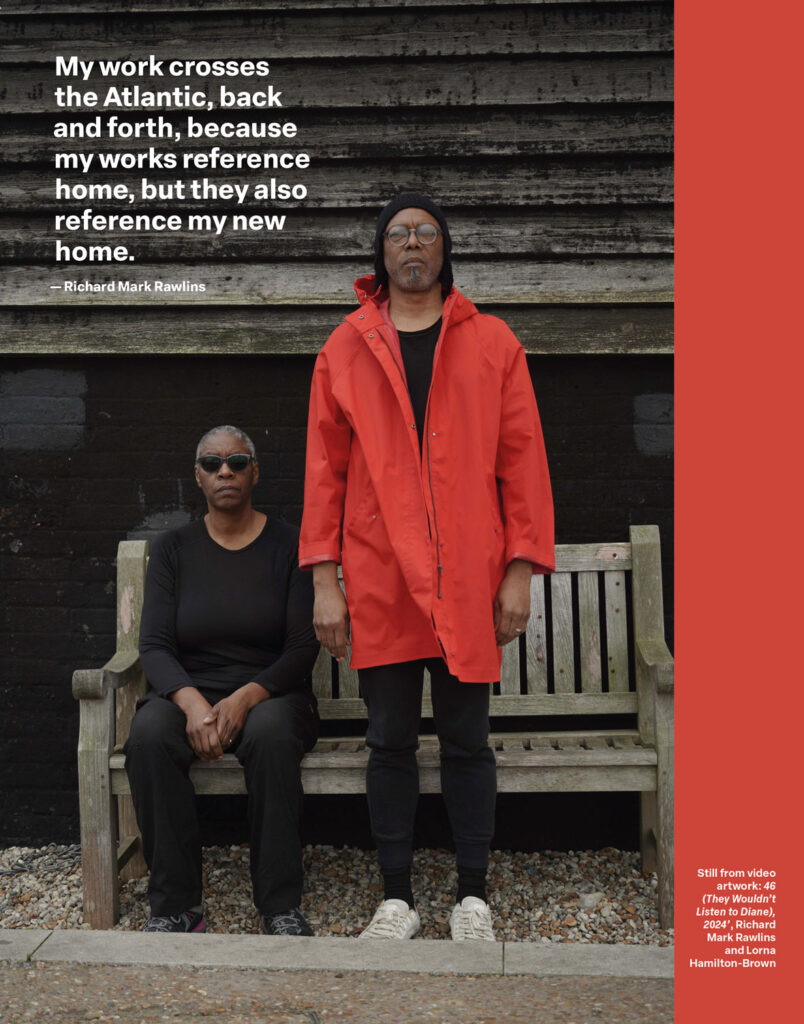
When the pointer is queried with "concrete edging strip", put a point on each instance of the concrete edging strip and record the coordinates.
(420, 956)
(21, 943)
(586, 959)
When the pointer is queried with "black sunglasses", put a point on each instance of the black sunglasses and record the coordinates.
(212, 463)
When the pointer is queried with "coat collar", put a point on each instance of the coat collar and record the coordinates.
(456, 306)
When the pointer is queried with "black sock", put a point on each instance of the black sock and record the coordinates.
(471, 882)
(398, 886)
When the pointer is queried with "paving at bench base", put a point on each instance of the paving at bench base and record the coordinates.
(74, 994)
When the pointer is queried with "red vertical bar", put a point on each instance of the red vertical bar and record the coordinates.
(740, 531)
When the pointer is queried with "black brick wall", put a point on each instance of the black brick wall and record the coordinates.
(95, 450)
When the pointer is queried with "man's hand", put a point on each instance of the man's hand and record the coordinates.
(512, 603)
(330, 611)
(229, 715)
(201, 735)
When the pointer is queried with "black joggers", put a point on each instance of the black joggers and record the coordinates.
(393, 696)
(158, 757)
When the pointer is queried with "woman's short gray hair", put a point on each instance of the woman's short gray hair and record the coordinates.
(228, 429)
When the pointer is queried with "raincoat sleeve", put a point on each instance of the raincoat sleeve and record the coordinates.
(522, 474)
(329, 440)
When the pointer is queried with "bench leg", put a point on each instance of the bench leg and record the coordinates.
(135, 867)
(647, 831)
(665, 811)
(98, 831)
(665, 858)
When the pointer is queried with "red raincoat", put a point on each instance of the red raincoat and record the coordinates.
(424, 537)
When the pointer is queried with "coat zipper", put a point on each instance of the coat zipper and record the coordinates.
(429, 468)
(432, 496)
(393, 355)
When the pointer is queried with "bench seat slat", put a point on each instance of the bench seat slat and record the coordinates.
(350, 747)
(541, 751)
(350, 758)
(523, 779)
(574, 779)
(509, 744)
(614, 738)
(589, 778)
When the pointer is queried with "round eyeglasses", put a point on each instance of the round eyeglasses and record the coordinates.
(426, 234)
(212, 463)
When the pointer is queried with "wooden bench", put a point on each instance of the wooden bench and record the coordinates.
(594, 646)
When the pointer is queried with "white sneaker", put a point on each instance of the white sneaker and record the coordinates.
(393, 919)
(471, 919)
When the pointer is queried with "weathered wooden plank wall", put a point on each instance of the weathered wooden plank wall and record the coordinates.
(544, 128)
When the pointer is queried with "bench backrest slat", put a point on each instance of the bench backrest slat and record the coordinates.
(322, 676)
(563, 648)
(509, 673)
(347, 681)
(536, 639)
(616, 631)
(589, 632)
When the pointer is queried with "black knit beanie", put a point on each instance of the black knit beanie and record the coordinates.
(404, 201)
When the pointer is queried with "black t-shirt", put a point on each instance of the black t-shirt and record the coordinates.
(418, 349)
(217, 619)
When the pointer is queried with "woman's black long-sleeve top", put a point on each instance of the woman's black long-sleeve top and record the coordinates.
(217, 619)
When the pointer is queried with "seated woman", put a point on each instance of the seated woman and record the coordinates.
(227, 644)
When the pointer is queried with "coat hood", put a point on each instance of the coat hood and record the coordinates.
(456, 306)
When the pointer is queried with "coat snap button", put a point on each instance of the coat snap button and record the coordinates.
(360, 317)
(371, 335)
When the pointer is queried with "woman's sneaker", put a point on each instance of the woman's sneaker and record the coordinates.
(189, 921)
(288, 922)
(393, 919)
(471, 919)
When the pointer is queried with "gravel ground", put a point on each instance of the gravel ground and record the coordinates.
(576, 896)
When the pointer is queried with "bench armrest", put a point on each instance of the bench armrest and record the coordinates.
(656, 661)
(94, 683)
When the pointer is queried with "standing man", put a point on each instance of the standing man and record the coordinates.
(427, 479)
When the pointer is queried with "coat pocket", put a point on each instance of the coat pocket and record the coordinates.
(494, 508)
(365, 512)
